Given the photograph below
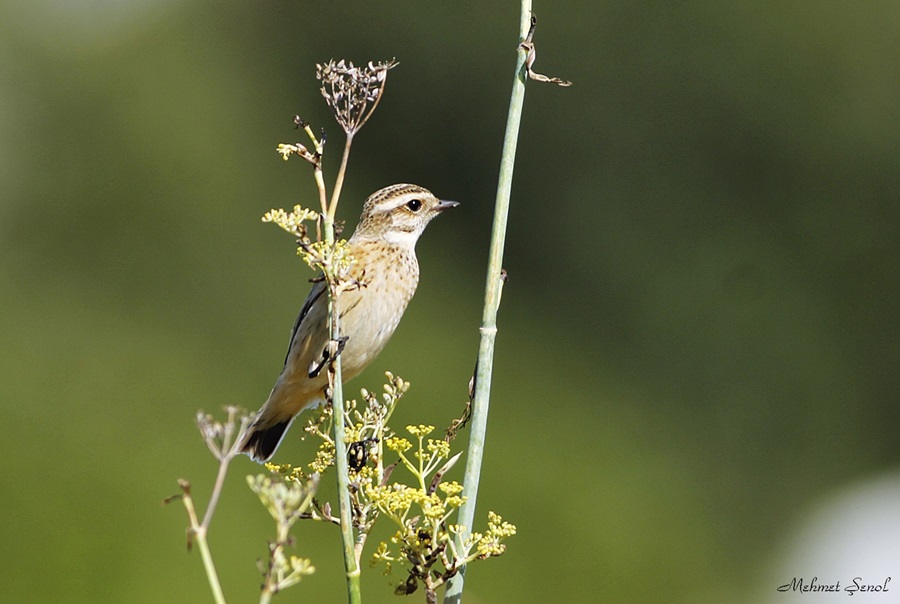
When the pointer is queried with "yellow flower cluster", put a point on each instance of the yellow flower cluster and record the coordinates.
(424, 544)
(452, 489)
(286, 150)
(324, 458)
(420, 430)
(284, 499)
(291, 222)
(383, 554)
(438, 448)
(397, 499)
(488, 544)
(335, 260)
(398, 444)
(289, 472)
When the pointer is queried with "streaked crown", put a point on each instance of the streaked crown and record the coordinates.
(398, 214)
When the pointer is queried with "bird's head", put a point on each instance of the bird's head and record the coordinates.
(398, 214)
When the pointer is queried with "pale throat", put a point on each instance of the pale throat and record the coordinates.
(405, 239)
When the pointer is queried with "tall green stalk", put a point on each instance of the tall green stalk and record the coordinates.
(351, 567)
(493, 287)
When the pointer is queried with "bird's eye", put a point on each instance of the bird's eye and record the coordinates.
(414, 205)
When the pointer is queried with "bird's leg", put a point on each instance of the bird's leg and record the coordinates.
(331, 352)
(336, 347)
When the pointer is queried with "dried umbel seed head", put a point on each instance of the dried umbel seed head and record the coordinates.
(353, 92)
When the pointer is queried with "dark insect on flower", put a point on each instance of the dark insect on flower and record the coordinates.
(424, 537)
(408, 587)
(358, 453)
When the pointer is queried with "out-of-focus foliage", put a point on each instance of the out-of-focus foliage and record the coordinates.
(698, 339)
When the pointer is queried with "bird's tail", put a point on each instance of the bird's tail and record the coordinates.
(263, 438)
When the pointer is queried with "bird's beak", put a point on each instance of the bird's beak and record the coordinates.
(444, 204)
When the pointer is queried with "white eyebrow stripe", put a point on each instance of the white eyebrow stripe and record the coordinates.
(392, 203)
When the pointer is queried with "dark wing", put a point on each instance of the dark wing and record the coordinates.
(314, 294)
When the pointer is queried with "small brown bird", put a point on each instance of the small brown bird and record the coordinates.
(384, 247)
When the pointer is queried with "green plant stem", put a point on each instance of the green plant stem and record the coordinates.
(493, 288)
(217, 490)
(339, 179)
(351, 566)
(271, 586)
(210, 567)
(198, 536)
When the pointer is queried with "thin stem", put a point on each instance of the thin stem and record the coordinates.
(340, 447)
(272, 584)
(227, 452)
(421, 472)
(217, 490)
(317, 169)
(198, 535)
(493, 287)
(320, 184)
(339, 180)
(210, 567)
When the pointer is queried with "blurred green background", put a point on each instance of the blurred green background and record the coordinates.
(698, 341)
